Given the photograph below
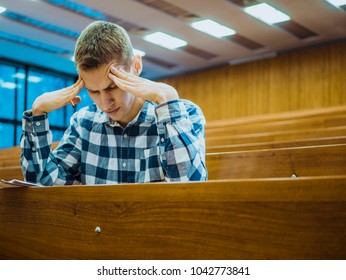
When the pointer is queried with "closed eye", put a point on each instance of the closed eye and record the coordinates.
(93, 91)
(111, 87)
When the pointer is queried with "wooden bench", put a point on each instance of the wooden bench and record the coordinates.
(277, 144)
(230, 219)
(294, 135)
(267, 163)
(294, 115)
(283, 162)
(11, 156)
(274, 126)
(11, 172)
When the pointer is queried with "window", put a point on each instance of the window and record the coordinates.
(20, 85)
(12, 88)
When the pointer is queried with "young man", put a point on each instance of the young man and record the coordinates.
(137, 130)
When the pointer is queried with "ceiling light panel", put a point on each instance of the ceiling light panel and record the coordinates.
(337, 3)
(165, 40)
(213, 28)
(2, 9)
(266, 13)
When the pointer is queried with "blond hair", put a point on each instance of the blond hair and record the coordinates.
(100, 43)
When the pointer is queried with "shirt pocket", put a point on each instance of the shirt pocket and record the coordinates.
(151, 169)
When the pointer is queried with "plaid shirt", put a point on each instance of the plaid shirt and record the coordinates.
(164, 142)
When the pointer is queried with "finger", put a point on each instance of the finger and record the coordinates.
(125, 85)
(122, 84)
(127, 82)
(76, 100)
(79, 84)
(122, 74)
(73, 92)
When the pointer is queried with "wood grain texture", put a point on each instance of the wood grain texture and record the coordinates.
(283, 162)
(236, 219)
(305, 79)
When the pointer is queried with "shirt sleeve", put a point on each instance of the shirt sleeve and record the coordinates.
(180, 126)
(39, 163)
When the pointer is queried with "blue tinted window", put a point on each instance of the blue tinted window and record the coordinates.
(7, 91)
(39, 83)
(6, 135)
(57, 135)
(19, 134)
(20, 78)
(19, 87)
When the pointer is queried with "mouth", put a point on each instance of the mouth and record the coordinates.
(112, 112)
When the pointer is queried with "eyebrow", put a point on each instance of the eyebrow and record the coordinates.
(107, 88)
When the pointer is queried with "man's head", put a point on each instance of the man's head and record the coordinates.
(100, 46)
(100, 43)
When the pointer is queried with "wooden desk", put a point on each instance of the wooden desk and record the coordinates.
(234, 219)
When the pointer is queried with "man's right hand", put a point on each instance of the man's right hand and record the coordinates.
(54, 100)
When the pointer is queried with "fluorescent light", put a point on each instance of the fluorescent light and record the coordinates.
(266, 13)
(2, 9)
(165, 40)
(337, 3)
(213, 28)
(141, 53)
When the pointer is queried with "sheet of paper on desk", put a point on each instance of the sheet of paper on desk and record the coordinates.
(15, 184)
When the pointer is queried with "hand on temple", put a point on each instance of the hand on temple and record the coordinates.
(141, 87)
(54, 100)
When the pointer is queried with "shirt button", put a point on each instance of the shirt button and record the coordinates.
(38, 123)
(33, 149)
(124, 164)
(29, 124)
(125, 135)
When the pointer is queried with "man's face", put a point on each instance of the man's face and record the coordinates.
(117, 103)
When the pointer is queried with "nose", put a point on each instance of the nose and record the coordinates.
(107, 100)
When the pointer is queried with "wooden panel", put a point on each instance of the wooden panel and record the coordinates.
(312, 78)
(239, 219)
(301, 161)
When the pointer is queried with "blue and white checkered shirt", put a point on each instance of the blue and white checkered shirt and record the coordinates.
(164, 142)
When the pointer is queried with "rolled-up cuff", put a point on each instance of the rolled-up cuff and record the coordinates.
(35, 124)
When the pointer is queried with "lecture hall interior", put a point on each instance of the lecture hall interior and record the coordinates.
(269, 77)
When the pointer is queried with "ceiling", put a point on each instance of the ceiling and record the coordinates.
(28, 31)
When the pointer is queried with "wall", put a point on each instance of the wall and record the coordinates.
(310, 78)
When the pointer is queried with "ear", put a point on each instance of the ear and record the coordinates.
(137, 65)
